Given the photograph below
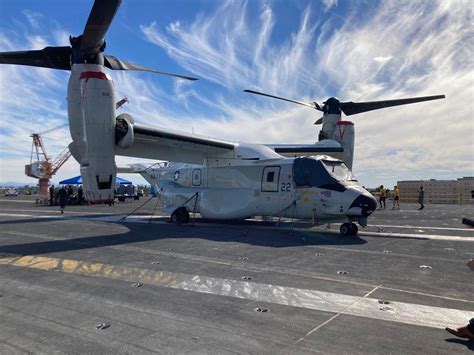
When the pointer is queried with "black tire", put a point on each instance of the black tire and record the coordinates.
(175, 217)
(185, 216)
(345, 229)
(353, 229)
(180, 216)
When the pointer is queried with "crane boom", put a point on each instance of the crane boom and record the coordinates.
(43, 168)
(38, 148)
(54, 129)
(60, 160)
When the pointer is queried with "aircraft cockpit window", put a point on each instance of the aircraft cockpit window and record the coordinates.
(339, 170)
(310, 172)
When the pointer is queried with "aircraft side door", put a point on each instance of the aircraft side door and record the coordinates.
(271, 178)
(197, 177)
(269, 196)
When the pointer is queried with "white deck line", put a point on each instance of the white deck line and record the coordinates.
(452, 238)
(424, 227)
(400, 312)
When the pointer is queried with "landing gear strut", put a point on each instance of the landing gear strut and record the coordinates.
(180, 216)
(348, 229)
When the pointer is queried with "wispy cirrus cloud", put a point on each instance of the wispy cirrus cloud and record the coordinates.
(329, 3)
(227, 49)
(397, 49)
(403, 49)
(31, 100)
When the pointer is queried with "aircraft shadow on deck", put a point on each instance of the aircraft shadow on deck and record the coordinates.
(468, 343)
(41, 219)
(143, 232)
(57, 218)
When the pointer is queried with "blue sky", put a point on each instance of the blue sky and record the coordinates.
(305, 50)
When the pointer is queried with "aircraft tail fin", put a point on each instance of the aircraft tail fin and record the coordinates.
(345, 134)
(342, 132)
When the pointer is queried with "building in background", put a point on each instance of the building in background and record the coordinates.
(439, 191)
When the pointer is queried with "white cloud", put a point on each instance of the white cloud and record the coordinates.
(382, 59)
(61, 37)
(34, 18)
(393, 55)
(403, 49)
(31, 100)
(228, 50)
(328, 4)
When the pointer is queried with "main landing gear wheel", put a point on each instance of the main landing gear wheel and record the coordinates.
(180, 216)
(349, 229)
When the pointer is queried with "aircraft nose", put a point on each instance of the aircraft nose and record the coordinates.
(367, 203)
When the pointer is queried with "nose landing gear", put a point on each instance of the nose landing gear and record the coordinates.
(180, 216)
(348, 229)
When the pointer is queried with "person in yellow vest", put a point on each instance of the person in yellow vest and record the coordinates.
(382, 196)
(396, 197)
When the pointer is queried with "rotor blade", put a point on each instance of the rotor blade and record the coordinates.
(48, 57)
(311, 104)
(117, 64)
(352, 108)
(100, 18)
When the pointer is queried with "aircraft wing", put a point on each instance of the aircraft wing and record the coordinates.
(327, 146)
(166, 144)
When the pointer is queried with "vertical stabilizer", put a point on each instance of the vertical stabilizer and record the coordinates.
(345, 135)
(340, 131)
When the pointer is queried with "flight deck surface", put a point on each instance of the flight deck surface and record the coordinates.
(90, 281)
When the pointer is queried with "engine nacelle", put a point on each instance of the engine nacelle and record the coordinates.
(345, 135)
(340, 131)
(91, 110)
(124, 131)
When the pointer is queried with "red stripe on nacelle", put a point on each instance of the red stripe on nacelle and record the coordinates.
(345, 123)
(94, 75)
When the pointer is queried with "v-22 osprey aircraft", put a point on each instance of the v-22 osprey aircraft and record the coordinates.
(217, 178)
(279, 180)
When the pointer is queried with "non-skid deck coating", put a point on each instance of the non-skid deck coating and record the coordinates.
(243, 287)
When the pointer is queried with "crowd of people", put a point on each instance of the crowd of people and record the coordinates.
(64, 195)
(396, 197)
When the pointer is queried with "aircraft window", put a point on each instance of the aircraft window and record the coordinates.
(197, 177)
(310, 172)
(339, 170)
(271, 176)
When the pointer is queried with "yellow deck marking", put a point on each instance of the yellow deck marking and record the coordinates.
(158, 278)
(401, 312)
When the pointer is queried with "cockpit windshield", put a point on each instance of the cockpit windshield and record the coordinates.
(339, 170)
(308, 171)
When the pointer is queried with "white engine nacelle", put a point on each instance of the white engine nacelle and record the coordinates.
(124, 131)
(342, 132)
(91, 110)
(345, 135)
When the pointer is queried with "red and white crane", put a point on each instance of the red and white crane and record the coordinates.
(41, 166)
